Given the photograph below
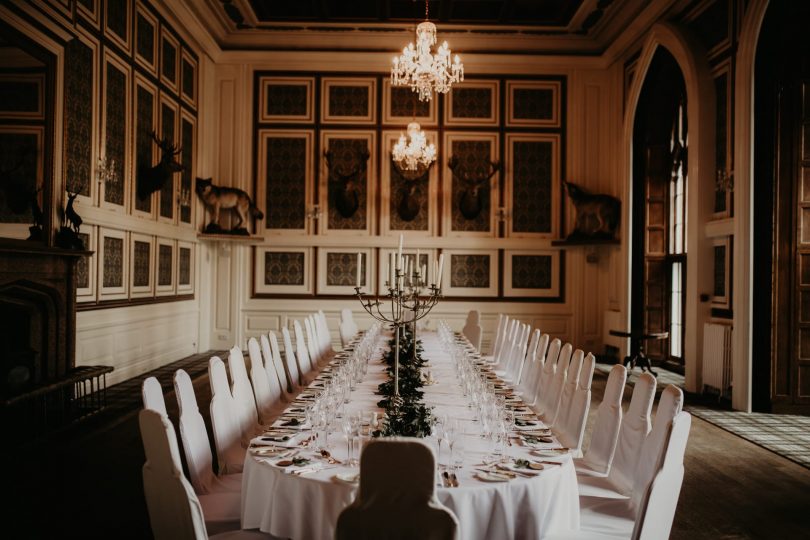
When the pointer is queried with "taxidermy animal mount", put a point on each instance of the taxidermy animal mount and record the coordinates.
(409, 201)
(68, 235)
(151, 179)
(344, 186)
(597, 215)
(471, 201)
(218, 198)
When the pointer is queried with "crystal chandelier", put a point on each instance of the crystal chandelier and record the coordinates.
(423, 71)
(412, 155)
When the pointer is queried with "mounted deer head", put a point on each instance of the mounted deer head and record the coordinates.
(471, 202)
(151, 179)
(343, 186)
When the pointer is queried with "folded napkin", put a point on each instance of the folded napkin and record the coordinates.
(280, 439)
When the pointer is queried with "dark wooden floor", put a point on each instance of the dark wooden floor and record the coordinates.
(87, 483)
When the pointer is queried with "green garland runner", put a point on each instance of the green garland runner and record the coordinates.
(414, 418)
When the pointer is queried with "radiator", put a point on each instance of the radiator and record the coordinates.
(717, 357)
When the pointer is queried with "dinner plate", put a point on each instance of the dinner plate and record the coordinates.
(549, 452)
(348, 478)
(491, 477)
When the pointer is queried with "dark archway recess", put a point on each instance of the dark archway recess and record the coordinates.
(781, 285)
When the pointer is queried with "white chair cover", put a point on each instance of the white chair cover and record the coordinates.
(530, 382)
(290, 360)
(397, 502)
(346, 315)
(505, 354)
(266, 401)
(520, 355)
(224, 420)
(552, 404)
(531, 350)
(152, 395)
(577, 415)
(302, 352)
(324, 334)
(605, 433)
(312, 341)
(277, 381)
(195, 443)
(635, 427)
(242, 392)
(472, 329)
(498, 360)
(499, 330)
(570, 388)
(547, 375)
(281, 367)
(175, 511)
(513, 360)
(347, 333)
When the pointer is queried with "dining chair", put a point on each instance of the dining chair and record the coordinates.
(312, 341)
(302, 353)
(242, 392)
(506, 369)
(472, 329)
(325, 335)
(196, 447)
(267, 397)
(176, 512)
(499, 330)
(281, 366)
(605, 432)
(347, 317)
(152, 395)
(551, 405)
(347, 333)
(570, 388)
(576, 415)
(291, 361)
(530, 381)
(277, 380)
(224, 420)
(636, 425)
(547, 375)
(397, 502)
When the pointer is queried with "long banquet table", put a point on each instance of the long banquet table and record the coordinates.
(307, 506)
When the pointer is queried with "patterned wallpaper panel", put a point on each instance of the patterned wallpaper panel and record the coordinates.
(187, 138)
(78, 115)
(141, 264)
(286, 166)
(188, 75)
(531, 271)
(116, 132)
(347, 100)
(167, 123)
(287, 100)
(184, 266)
(145, 103)
(418, 190)
(82, 265)
(145, 38)
(164, 265)
(20, 96)
(168, 61)
(533, 103)
(405, 103)
(721, 136)
(719, 288)
(469, 271)
(473, 156)
(346, 155)
(532, 186)
(284, 268)
(472, 103)
(18, 151)
(118, 17)
(341, 270)
(113, 262)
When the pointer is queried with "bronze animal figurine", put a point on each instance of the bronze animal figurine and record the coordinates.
(218, 198)
(597, 214)
(471, 200)
(151, 179)
(68, 234)
(344, 187)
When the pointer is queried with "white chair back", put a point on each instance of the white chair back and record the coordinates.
(657, 511)
(152, 395)
(605, 433)
(520, 354)
(281, 367)
(346, 315)
(570, 388)
(499, 330)
(635, 427)
(265, 401)
(531, 350)
(577, 414)
(194, 435)
(277, 381)
(301, 350)
(397, 502)
(224, 419)
(324, 334)
(290, 360)
(242, 392)
(552, 404)
(508, 345)
(547, 375)
(531, 381)
(312, 341)
(472, 329)
(174, 510)
(347, 333)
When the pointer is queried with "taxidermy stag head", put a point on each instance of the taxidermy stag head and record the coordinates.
(344, 186)
(151, 179)
(471, 202)
(409, 203)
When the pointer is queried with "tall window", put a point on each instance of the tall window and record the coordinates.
(676, 258)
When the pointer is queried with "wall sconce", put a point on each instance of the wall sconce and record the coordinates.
(502, 214)
(105, 171)
(184, 198)
(724, 180)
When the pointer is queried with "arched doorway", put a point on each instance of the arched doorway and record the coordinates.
(660, 180)
(781, 195)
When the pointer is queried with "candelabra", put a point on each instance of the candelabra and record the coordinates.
(408, 301)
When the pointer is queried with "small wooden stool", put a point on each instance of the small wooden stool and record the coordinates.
(637, 355)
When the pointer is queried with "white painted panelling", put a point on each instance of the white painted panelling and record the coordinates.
(136, 339)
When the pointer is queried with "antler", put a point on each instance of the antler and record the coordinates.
(164, 144)
(339, 171)
(463, 174)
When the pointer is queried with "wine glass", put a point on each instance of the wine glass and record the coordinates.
(348, 430)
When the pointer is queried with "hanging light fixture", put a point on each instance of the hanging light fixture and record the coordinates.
(423, 71)
(412, 155)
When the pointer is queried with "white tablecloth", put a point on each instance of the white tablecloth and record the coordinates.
(303, 507)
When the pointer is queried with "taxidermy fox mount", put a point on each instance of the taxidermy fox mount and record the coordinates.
(226, 198)
(597, 214)
(151, 179)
